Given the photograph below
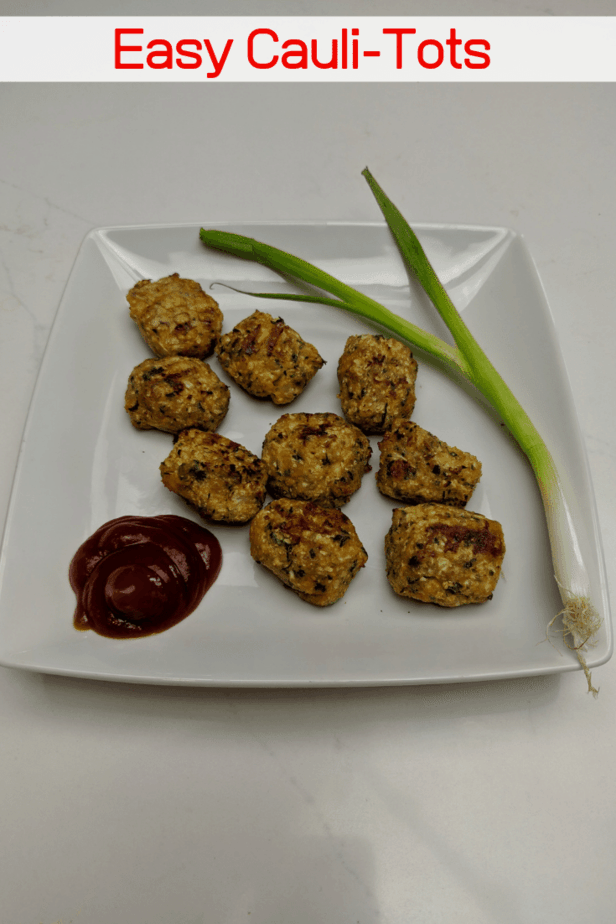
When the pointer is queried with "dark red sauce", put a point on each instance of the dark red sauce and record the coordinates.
(137, 576)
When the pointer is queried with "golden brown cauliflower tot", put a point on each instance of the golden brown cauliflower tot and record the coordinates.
(222, 480)
(438, 554)
(377, 381)
(173, 393)
(267, 358)
(175, 316)
(315, 457)
(315, 552)
(417, 468)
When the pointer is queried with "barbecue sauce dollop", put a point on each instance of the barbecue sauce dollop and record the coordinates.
(137, 576)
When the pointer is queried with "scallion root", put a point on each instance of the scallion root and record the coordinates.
(581, 622)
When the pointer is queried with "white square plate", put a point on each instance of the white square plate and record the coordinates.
(82, 463)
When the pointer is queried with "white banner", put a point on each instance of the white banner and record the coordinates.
(307, 48)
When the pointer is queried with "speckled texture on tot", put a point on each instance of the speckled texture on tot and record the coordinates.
(173, 393)
(317, 457)
(222, 480)
(267, 358)
(314, 551)
(416, 467)
(175, 316)
(437, 554)
(377, 381)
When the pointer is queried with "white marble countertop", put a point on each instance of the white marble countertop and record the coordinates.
(490, 803)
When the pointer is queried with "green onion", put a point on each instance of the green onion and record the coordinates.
(580, 619)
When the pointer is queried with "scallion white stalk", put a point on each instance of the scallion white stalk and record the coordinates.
(580, 619)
